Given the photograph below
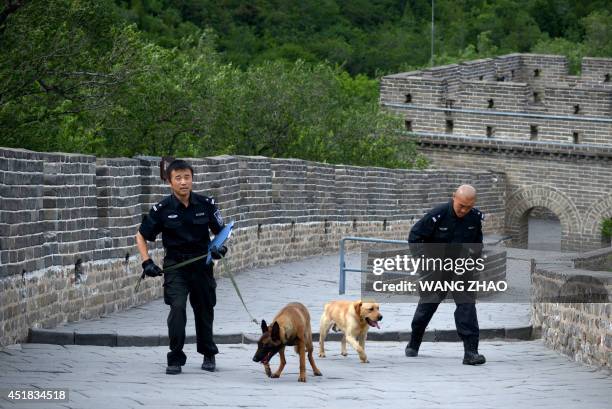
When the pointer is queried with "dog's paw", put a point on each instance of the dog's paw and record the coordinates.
(321, 354)
(275, 375)
(365, 361)
(302, 378)
(344, 353)
(317, 373)
(269, 372)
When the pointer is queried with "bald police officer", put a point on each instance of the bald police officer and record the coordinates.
(454, 222)
(184, 218)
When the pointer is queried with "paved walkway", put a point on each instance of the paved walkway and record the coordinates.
(312, 281)
(517, 374)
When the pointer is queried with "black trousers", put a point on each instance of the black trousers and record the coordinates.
(195, 280)
(466, 319)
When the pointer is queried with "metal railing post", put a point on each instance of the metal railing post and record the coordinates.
(343, 269)
(342, 283)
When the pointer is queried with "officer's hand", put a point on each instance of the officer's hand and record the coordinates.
(218, 253)
(150, 269)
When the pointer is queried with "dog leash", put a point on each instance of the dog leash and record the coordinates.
(172, 268)
(231, 276)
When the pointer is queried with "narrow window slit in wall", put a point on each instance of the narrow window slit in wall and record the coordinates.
(449, 126)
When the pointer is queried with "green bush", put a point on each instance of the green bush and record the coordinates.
(606, 228)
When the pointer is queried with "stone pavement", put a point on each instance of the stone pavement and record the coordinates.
(312, 281)
(517, 374)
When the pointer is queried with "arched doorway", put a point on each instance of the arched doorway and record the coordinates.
(518, 209)
(544, 229)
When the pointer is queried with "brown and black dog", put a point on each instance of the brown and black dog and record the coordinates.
(291, 327)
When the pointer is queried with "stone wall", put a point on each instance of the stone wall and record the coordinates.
(517, 96)
(596, 260)
(67, 222)
(573, 324)
(574, 182)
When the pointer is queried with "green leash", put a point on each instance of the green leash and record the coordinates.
(172, 268)
(231, 276)
(192, 260)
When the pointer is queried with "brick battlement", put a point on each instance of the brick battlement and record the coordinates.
(540, 99)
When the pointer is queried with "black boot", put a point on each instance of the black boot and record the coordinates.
(412, 349)
(173, 369)
(209, 363)
(471, 356)
(411, 352)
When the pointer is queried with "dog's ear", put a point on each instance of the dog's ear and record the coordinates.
(264, 326)
(275, 331)
(358, 307)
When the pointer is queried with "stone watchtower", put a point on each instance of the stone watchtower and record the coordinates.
(524, 115)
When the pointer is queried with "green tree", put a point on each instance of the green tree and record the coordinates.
(598, 37)
(58, 64)
(573, 51)
(164, 109)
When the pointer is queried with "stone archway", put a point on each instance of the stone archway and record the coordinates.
(592, 222)
(544, 229)
(525, 198)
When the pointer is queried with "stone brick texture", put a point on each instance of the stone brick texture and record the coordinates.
(573, 182)
(513, 95)
(580, 330)
(549, 132)
(67, 222)
(596, 260)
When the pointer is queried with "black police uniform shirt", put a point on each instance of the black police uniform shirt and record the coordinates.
(184, 229)
(441, 225)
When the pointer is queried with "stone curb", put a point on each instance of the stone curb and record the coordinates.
(112, 339)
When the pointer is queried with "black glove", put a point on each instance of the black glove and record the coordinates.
(218, 253)
(150, 269)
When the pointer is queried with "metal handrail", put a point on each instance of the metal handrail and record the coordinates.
(343, 269)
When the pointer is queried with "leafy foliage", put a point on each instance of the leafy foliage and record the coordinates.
(375, 37)
(606, 228)
(264, 77)
(84, 81)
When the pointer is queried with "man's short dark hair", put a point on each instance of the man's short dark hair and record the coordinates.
(177, 164)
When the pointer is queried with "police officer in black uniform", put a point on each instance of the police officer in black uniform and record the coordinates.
(454, 222)
(184, 219)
